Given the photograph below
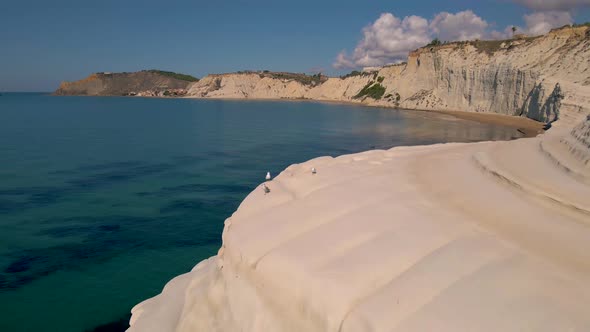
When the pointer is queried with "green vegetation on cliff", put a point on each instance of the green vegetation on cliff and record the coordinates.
(310, 80)
(372, 90)
(359, 73)
(434, 42)
(301, 78)
(182, 77)
(352, 74)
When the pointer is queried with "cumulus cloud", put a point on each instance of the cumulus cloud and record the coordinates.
(506, 33)
(549, 14)
(389, 38)
(541, 22)
(464, 25)
(561, 5)
(536, 24)
(343, 61)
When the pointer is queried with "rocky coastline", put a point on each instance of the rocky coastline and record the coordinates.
(449, 237)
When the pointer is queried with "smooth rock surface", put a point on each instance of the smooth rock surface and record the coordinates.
(491, 236)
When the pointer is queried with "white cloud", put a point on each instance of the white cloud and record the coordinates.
(561, 5)
(505, 34)
(386, 40)
(389, 39)
(465, 25)
(541, 22)
(536, 24)
(342, 61)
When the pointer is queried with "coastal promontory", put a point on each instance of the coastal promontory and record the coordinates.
(142, 83)
(489, 236)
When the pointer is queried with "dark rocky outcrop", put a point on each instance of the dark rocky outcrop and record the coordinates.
(147, 82)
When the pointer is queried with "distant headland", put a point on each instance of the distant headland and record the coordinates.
(142, 83)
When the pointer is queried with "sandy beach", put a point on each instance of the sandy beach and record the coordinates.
(528, 127)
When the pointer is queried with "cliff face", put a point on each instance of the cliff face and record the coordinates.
(513, 77)
(118, 84)
(249, 85)
(429, 238)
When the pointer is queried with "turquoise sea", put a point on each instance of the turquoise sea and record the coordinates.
(103, 200)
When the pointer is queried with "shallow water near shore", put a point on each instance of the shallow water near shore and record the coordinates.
(103, 200)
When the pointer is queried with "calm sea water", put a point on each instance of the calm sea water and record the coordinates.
(103, 200)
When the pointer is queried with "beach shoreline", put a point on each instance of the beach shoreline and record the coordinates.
(528, 127)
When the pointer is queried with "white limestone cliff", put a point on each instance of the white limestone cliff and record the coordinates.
(514, 77)
(490, 236)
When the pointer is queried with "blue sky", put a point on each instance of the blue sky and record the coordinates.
(45, 42)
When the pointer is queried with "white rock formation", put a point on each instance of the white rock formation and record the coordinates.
(248, 85)
(491, 236)
(515, 77)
